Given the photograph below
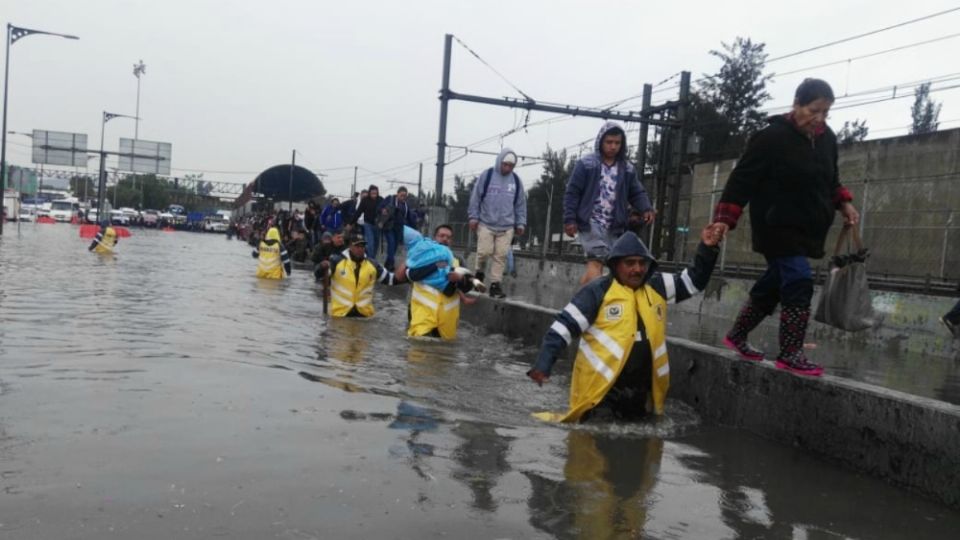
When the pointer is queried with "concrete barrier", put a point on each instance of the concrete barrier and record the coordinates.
(910, 441)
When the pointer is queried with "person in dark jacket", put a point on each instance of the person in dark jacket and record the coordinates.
(622, 371)
(349, 208)
(395, 214)
(789, 177)
(598, 197)
(367, 210)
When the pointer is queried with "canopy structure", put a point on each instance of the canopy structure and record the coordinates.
(275, 183)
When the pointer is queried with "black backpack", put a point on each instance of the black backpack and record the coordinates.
(486, 184)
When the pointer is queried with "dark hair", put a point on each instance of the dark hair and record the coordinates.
(401, 189)
(811, 90)
(442, 226)
(373, 187)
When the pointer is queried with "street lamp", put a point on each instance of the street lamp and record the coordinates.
(14, 33)
(138, 70)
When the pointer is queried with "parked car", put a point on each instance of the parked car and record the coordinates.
(64, 210)
(151, 218)
(214, 224)
(117, 217)
(133, 217)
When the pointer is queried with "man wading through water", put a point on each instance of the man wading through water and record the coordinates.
(621, 371)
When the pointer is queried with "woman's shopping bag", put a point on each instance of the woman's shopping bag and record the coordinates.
(845, 299)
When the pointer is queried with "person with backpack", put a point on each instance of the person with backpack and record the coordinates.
(497, 210)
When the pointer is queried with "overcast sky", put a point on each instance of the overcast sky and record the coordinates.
(236, 85)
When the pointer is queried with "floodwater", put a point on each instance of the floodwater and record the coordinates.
(911, 372)
(167, 393)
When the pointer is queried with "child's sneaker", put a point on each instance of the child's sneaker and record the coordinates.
(744, 349)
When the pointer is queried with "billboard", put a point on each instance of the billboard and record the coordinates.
(59, 148)
(150, 157)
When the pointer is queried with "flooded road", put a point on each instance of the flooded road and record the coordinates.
(167, 393)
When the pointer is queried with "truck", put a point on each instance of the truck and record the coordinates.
(64, 210)
(11, 205)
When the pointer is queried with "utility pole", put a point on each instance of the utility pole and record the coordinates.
(546, 228)
(420, 186)
(293, 163)
(444, 98)
(354, 182)
(138, 70)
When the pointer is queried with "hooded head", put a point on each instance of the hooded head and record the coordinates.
(611, 128)
(498, 165)
(110, 233)
(630, 261)
(273, 235)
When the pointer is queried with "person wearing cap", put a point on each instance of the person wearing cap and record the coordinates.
(273, 261)
(621, 370)
(598, 197)
(353, 277)
(497, 210)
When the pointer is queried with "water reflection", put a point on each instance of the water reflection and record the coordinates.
(605, 488)
(481, 460)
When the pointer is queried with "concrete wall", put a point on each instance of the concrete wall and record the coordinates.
(909, 441)
(907, 189)
(905, 322)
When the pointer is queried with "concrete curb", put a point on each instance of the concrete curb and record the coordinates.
(910, 441)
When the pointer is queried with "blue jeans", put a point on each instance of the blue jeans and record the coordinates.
(788, 281)
(510, 267)
(371, 233)
(393, 237)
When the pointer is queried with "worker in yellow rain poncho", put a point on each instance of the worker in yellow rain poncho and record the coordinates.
(272, 258)
(352, 278)
(105, 242)
(621, 371)
(439, 288)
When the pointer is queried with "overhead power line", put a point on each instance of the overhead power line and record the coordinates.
(865, 34)
(484, 62)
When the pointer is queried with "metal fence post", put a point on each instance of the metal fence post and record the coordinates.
(943, 252)
(863, 207)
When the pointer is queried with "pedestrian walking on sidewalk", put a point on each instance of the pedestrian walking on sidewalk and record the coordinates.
(789, 177)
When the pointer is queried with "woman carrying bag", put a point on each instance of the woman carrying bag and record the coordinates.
(789, 177)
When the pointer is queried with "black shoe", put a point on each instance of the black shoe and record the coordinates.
(496, 291)
(953, 327)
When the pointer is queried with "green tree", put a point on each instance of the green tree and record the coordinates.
(852, 132)
(460, 200)
(557, 168)
(725, 109)
(925, 112)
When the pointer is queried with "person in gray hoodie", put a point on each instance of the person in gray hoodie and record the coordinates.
(497, 210)
(599, 195)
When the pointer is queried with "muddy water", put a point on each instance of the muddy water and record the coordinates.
(166, 393)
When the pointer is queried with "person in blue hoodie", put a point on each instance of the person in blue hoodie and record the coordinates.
(497, 210)
(599, 195)
(332, 217)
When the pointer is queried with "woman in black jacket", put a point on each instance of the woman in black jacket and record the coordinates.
(369, 209)
(788, 175)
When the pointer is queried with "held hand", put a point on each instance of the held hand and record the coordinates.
(711, 235)
(570, 229)
(850, 215)
(474, 224)
(721, 228)
(400, 274)
(649, 216)
(466, 299)
(454, 277)
(538, 376)
(520, 230)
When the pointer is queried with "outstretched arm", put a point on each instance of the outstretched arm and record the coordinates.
(677, 287)
(575, 318)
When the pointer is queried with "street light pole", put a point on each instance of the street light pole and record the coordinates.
(138, 69)
(102, 177)
(14, 33)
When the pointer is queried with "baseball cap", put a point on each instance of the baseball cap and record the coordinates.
(357, 239)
